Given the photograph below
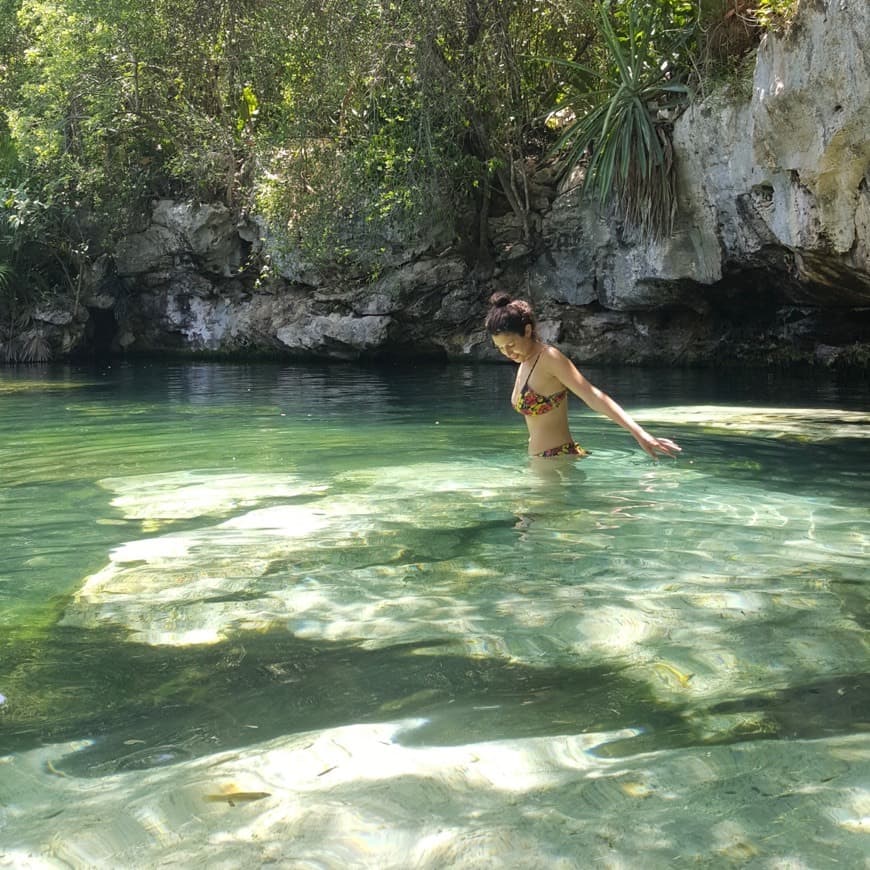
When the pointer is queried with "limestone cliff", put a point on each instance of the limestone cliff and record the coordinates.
(769, 263)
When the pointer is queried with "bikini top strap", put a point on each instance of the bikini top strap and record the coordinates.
(529, 375)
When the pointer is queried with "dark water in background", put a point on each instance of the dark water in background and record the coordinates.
(269, 550)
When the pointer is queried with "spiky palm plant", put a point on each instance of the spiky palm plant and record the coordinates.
(20, 339)
(33, 346)
(624, 132)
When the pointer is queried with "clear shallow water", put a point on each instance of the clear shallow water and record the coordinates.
(347, 593)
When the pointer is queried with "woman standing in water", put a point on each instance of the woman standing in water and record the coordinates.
(543, 379)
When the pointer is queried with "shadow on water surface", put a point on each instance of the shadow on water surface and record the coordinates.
(143, 707)
(147, 706)
(825, 708)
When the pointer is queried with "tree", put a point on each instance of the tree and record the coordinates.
(408, 118)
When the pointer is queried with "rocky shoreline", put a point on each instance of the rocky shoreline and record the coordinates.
(769, 263)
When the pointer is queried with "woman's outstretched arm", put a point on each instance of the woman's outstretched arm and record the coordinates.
(566, 372)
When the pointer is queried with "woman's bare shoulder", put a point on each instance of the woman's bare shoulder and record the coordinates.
(563, 369)
(554, 363)
(553, 352)
(555, 358)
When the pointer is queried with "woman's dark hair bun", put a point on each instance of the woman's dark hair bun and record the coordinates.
(508, 315)
(499, 299)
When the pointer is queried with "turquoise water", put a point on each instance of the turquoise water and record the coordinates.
(347, 593)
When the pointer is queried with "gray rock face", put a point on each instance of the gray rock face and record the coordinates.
(773, 235)
(811, 113)
(204, 236)
(346, 334)
(790, 169)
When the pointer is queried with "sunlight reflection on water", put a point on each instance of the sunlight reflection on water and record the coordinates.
(491, 665)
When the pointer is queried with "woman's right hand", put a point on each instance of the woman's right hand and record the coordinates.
(653, 446)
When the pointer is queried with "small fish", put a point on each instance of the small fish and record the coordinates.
(233, 797)
(50, 768)
(636, 789)
(423, 696)
(682, 679)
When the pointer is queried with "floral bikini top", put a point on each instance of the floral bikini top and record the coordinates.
(531, 404)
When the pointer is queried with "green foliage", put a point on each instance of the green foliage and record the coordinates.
(353, 128)
(404, 120)
(22, 279)
(34, 260)
(382, 171)
(624, 111)
(6, 273)
(774, 14)
(105, 105)
(119, 101)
